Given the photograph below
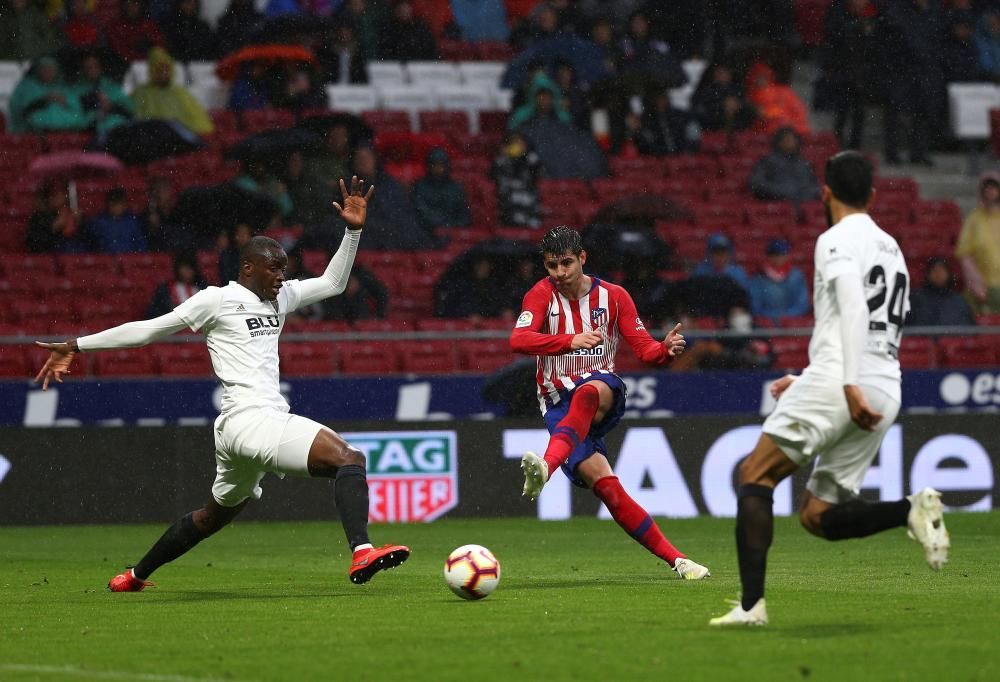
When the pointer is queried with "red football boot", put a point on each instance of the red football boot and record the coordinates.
(368, 562)
(127, 582)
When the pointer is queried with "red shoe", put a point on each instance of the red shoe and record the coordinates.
(368, 562)
(127, 582)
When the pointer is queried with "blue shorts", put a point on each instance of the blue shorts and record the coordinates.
(594, 442)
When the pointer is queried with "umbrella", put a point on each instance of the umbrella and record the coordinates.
(357, 129)
(613, 247)
(72, 166)
(207, 211)
(275, 143)
(504, 254)
(586, 58)
(139, 142)
(229, 67)
(565, 150)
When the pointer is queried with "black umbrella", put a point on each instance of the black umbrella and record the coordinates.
(139, 142)
(613, 247)
(565, 150)
(275, 143)
(586, 58)
(207, 211)
(357, 129)
(503, 254)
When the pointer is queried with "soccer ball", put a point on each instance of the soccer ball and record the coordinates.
(472, 572)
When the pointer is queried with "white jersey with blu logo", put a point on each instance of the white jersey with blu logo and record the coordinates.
(242, 333)
(857, 247)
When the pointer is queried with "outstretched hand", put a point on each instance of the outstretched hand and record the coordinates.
(675, 342)
(60, 358)
(355, 208)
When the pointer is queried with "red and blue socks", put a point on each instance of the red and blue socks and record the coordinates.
(634, 519)
(574, 426)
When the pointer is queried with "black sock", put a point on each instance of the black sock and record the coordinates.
(350, 492)
(858, 519)
(754, 531)
(177, 540)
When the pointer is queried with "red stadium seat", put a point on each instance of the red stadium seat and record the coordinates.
(797, 321)
(183, 359)
(427, 357)
(777, 216)
(127, 362)
(790, 353)
(308, 359)
(368, 358)
(386, 121)
(14, 364)
(445, 122)
(487, 355)
(493, 122)
(917, 352)
(977, 351)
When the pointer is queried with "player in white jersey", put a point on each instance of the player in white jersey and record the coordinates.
(255, 434)
(836, 413)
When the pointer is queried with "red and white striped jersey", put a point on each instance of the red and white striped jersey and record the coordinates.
(549, 321)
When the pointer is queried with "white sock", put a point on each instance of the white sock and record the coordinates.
(364, 546)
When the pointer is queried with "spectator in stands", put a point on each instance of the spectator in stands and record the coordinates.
(365, 298)
(543, 101)
(161, 230)
(472, 294)
(53, 226)
(25, 32)
(407, 37)
(80, 28)
(777, 104)
(542, 23)
(186, 282)
(341, 56)
(298, 88)
(651, 293)
(936, 303)
(367, 23)
(311, 197)
(41, 101)
(237, 25)
(783, 175)
(646, 59)
(978, 248)
(189, 37)
(719, 262)
(602, 34)
(104, 103)
(258, 176)
(251, 89)
(779, 289)
(481, 20)
(160, 98)
(229, 245)
(133, 34)
(516, 171)
(573, 97)
(665, 129)
(851, 41)
(392, 220)
(334, 161)
(988, 44)
(959, 54)
(116, 230)
(718, 103)
(439, 200)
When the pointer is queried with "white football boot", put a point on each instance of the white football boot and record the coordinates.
(926, 526)
(536, 474)
(755, 617)
(690, 570)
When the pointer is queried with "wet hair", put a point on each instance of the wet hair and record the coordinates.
(258, 247)
(849, 177)
(561, 239)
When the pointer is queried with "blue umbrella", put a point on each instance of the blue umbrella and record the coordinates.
(585, 56)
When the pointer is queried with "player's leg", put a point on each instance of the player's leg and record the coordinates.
(330, 456)
(178, 539)
(596, 473)
(588, 405)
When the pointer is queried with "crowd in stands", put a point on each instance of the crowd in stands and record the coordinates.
(668, 125)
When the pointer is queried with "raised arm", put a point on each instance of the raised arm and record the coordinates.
(128, 335)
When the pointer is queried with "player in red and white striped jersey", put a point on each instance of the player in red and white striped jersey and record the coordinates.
(573, 323)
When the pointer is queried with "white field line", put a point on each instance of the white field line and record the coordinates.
(73, 671)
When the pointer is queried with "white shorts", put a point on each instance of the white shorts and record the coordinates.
(253, 442)
(812, 421)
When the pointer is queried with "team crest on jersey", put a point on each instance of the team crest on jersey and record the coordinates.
(598, 317)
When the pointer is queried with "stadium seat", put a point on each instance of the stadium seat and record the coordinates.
(352, 98)
(790, 353)
(484, 356)
(388, 121)
(308, 359)
(427, 357)
(383, 73)
(124, 363)
(917, 352)
(443, 121)
(977, 351)
(14, 365)
(183, 359)
(368, 358)
(432, 74)
(484, 74)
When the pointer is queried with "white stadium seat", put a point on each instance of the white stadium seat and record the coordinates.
(210, 95)
(433, 73)
(198, 72)
(485, 73)
(352, 98)
(463, 97)
(969, 105)
(386, 73)
(11, 71)
(502, 99)
(407, 97)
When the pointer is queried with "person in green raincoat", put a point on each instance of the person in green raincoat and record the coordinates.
(42, 101)
(104, 103)
(162, 99)
(544, 99)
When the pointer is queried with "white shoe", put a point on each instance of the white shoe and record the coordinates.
(756, 616)
(689, 570)
(926, 526)
(536, 474)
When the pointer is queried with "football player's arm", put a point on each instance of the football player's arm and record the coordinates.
(527, 337)
(646, 348)
(333, 281)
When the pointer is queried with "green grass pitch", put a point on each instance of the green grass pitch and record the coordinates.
(578, 600)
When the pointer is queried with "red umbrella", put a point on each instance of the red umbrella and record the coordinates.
(229, 67)
(73, 166)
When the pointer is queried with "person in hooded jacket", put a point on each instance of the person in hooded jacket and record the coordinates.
(978, 248)
(936, 303)
(783, 175)
(438, 199)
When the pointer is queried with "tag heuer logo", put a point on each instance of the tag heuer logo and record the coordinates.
(412, 475)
